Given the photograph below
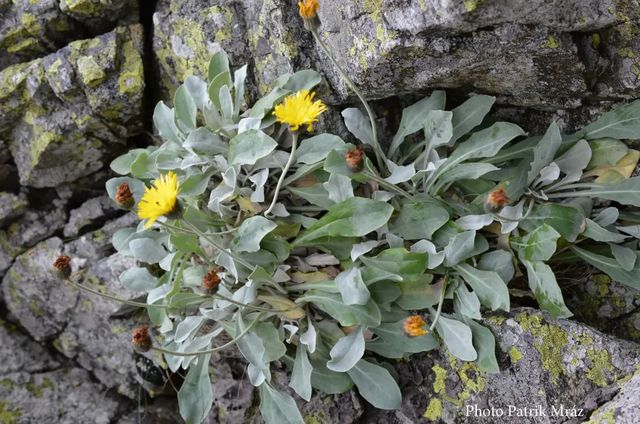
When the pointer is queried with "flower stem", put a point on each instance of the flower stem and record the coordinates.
(215, 349)
(440, 302)
(294, 146)
(380, 156)
(112, 297)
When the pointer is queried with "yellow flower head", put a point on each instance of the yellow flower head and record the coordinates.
(308, 8)
(299, 109)
(160, 199)
(414, 326)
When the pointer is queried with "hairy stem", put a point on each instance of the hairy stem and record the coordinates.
(294, 146)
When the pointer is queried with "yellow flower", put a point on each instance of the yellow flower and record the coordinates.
(308, 8)
(160, 199)
(299, 109)
(414, 326)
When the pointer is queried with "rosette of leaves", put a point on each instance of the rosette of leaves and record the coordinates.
(322, 286)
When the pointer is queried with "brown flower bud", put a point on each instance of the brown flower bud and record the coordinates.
(62, 266)
(141, 339)
(124, 197)
(211, 281)
(414, 326)
(355, 159)
(496, 200)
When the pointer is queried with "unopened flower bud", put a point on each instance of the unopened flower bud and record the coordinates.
(141, 339)
(496, 200)
(62, 266)
(414, 326)
(309, 13)
(124, 197)
(355, 159)
(211, 281)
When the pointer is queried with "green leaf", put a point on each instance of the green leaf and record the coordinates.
(218, 64)
(462, 246)
(544, 286)
(595, 232)
(466, 302)
(485, 344)
(457, 337)
(398, 261)
(246, 148)
(626, 257)
(138, 279)
(274, 349)
(462, 171)
(195, 397)
(347, 315)
(358, 125)
(490, 288)
(185, 107)
(418, 293)
(355, 217)
(195, 184)
(621, 123)
(136, 186)
(147, 250)
(376, 385)
(315, 194)
(315, 149)
(419, 219)
(239, 77)
(626, 192)
(187, 327)
(352, 288)
(347, 351)
(538, 245)
(328, 381)
(393, 342)
(606, 152)
(545, 151)
(470, 114)
(303, 80)
(277, 407)
(251, 233)
(201, 141)
(482, 144)
(499, 261)
(569, 221)
(301, 374)
(164, 121)
(438, 128)
(413, 118)
(611, 267)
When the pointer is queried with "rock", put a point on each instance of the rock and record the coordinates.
(90, 214)
(78, 324)
(606, 305)
(187, 33)
(73, 107)
(543, 362)
(21, 354)
(11, 207)
(624, 408)
(66, 395)
(31, 29)
(31, 228)
(9, 180)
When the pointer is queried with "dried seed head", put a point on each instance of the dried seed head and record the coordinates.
(355, 159)
(496, 200)
(211, 281)
(414, 326)
(124, 197)
(62, 266)
(141, 339)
